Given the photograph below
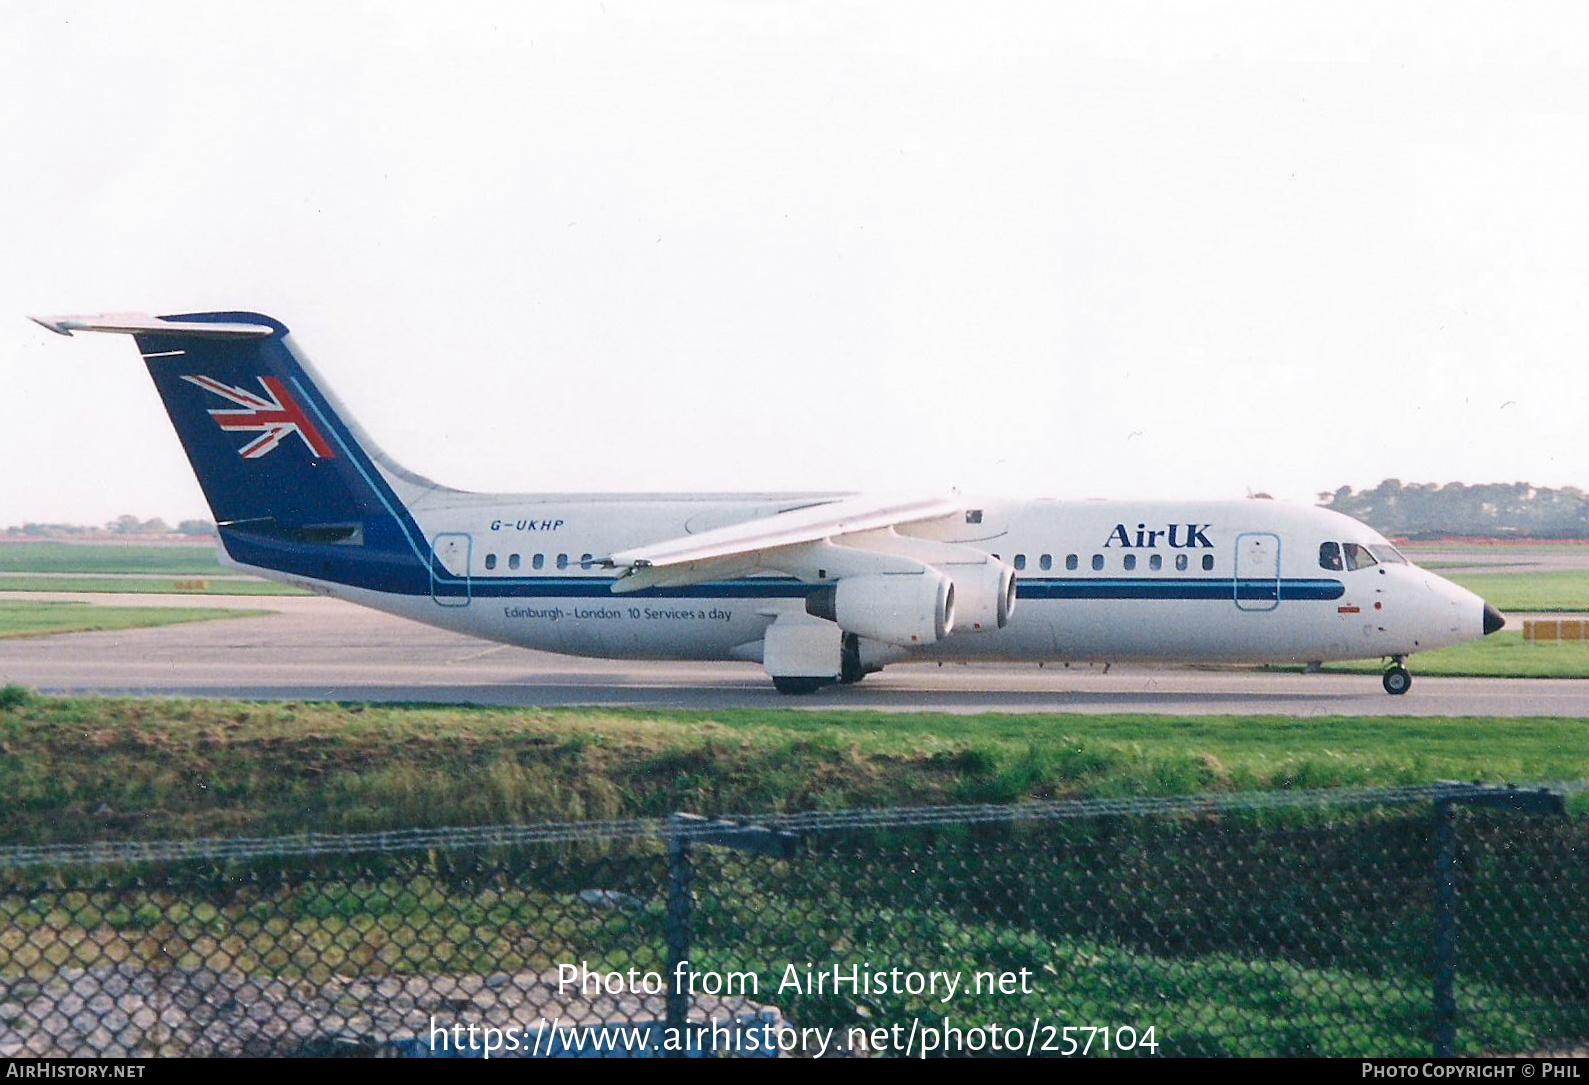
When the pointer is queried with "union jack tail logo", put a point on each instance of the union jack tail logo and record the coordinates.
(273, 416)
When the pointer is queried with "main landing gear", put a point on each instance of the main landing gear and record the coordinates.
(851, 670)
(1398, 679)
(795, 687)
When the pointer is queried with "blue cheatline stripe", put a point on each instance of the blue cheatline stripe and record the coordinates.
(600, 587)
(1178, 588)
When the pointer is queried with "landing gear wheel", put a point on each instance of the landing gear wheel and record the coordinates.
(1397, 680)
(850, 661)
(795, 687)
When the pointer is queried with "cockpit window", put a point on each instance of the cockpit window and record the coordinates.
(1357, 557)
(1388, 554)
(1330, 556)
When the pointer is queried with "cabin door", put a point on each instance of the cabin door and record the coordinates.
(450, 555)
(1257, 581)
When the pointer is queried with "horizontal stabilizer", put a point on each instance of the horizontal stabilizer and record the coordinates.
(142, 323)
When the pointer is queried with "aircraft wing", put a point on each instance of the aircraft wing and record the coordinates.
(739, 548)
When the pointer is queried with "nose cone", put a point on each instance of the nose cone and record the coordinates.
(1492, 619)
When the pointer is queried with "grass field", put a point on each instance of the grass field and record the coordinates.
(18, 619)
(1415, 550)
(141, 585)
(76, 769)
(139, 569)
(1500, 655)
(61, 557)
(1550, 590)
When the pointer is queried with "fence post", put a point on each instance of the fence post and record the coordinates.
(1508, 797)
(680, 878)
(1445, 929)
(683, 830)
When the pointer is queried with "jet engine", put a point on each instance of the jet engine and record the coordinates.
(896, 608)
(984, 595)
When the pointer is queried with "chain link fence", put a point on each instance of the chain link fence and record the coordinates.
(1400, 921)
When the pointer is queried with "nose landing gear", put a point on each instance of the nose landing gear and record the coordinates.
(1398, 679)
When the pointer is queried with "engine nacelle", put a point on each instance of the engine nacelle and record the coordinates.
(897, 608)
(984, 595)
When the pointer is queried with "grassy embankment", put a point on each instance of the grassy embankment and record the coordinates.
(90, 768)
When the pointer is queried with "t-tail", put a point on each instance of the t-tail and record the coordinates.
(295, 486)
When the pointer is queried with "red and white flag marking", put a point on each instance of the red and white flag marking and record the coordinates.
(273, 416)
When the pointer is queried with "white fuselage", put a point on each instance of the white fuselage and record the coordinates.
(1236, 581)
(816, 587)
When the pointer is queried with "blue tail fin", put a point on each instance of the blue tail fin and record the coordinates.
(294, 485)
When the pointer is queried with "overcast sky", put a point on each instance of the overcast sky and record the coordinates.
(1111, 249)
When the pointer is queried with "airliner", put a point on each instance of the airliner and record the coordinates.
(818, 588)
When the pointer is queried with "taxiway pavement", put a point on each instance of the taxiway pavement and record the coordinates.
(311, 648)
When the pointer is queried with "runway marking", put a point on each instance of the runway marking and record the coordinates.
(482, 653)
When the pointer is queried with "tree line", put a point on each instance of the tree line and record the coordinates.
(1432, 509)
(126, 524)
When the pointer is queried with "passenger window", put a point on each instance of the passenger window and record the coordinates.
(562, 561)
(1097, 562)
(1330, 556)
(1208, 563)
(1072, 562)
(1020, 562)
(1046, 562)
(1131, 562)
(1358, 557)
(1180, 562)
(539, 561)
(584, 562)
(513, 561)
(1156, 562)
(491, 561)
